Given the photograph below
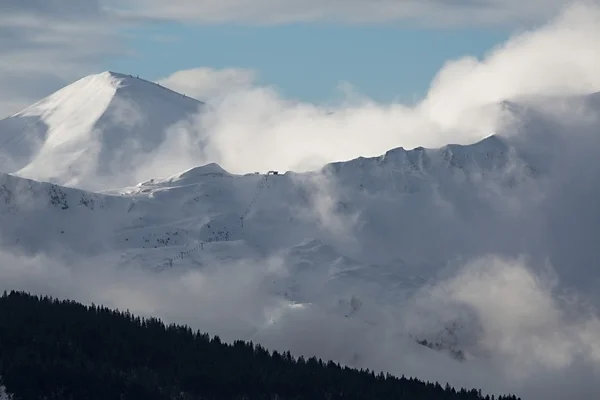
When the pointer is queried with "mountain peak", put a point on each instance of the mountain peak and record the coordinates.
(89, 126)
(102, 87)
(121, 81)
(113, 79)
(114, 74)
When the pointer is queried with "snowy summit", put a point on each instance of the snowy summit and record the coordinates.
(84, 128)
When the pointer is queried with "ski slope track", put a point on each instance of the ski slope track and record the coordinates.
(353, 237)
(85, 128)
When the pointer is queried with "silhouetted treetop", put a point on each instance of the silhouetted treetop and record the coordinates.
(60, 349)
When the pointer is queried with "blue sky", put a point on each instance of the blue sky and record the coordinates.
(388, 49)
(307, 61)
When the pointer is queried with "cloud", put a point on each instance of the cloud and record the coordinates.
(556, 59)
(209, 83)
(437, 12)
(326, 204)
(248, 127)
(45, 45)
(520, 320)
(254, 128)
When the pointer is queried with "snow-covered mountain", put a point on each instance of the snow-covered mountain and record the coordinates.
(351, 236)
(374, 228)
(90, 127)
(360, 208)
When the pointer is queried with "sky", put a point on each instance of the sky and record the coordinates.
(390, 50)
(308, 61)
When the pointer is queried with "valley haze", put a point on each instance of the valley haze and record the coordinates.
(469, 219)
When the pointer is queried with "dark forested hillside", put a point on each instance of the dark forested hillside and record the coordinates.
(51, 349)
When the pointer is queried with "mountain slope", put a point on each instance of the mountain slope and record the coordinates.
(44, 217)
(357, 221)
(88, 127)
(352, 239)
(358, 239)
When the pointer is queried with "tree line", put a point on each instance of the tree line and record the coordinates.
(59, 349)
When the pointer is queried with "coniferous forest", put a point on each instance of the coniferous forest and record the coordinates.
(55, 350)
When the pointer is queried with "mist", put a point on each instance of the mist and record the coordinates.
(526, 335)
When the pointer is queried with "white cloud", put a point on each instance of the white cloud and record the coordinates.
(209, 83)
(435, 12)
(324, 197)
(556, 59)
(256, 129)
(530, 331)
